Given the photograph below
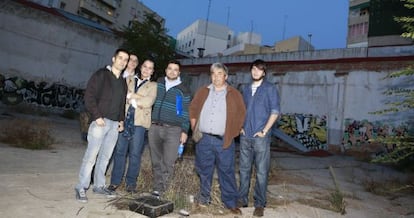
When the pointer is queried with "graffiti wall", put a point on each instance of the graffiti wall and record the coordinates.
(15, 90)
(308, 129)
(358, 133)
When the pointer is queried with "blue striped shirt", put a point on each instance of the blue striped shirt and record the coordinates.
(167, 111)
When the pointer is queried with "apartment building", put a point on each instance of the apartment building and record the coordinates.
(371, 23)
(203, 38)
(358, 20)
(115, 14)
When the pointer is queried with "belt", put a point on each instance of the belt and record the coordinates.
(161, 124)
(219, 137)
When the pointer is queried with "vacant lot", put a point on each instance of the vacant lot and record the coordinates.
(39, 183)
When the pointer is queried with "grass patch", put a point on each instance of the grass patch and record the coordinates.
(336, 197)
(337, 202)
(183, 188)
(29, 134)
(389, 188)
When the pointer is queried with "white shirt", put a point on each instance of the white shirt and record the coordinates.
(171, 83)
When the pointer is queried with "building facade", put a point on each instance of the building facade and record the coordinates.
(296, 43)
(205, 37)
(115, 14)
(371, 23)
(358, 19)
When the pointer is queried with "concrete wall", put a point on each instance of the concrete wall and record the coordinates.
(328, 96)
(41, 46)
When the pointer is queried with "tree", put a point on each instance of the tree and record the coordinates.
(407, 21)
(403, 153)
(149, 40)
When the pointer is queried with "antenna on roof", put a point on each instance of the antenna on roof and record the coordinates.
(228, 16)
(201, 50)
(284, 26)
(251, 32)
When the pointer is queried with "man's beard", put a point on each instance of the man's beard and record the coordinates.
(258, 79)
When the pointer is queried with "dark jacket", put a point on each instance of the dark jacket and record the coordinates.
(99, 95)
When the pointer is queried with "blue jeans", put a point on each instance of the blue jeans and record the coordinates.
(131, 148)
(210, 153)
(101, 143)
(254, 150)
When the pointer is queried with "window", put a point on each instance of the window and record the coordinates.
(62, 5)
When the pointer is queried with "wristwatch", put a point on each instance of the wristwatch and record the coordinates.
(263, 132)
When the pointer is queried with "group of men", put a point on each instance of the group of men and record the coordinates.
(124, 105)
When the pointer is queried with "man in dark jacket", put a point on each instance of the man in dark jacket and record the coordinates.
(105, 97)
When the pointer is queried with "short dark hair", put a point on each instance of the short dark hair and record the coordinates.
(175, 62)
(259, 63)
(121, 50)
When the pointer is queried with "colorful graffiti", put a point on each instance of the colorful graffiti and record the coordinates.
(15, 90)
(358, 133)
(308, 129)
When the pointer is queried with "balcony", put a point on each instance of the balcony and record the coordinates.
(112, 3)
(98, 9)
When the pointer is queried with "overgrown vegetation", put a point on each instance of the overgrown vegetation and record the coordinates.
(402, 94)
(407, 21)
(183, 188)
(26, 133)
(388, 188)
(336, 197)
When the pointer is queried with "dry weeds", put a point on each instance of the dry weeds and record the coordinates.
(27, 133)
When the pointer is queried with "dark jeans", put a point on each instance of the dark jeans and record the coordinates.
(254, 150)
(209, 154)
(131, 148)
(163, 145)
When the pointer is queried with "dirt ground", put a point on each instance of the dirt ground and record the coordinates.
(40, 183)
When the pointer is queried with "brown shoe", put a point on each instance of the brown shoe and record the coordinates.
(258, 211)
(235, 210)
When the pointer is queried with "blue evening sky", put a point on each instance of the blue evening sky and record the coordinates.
(275, 20)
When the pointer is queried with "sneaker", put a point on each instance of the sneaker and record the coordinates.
(258, 211)
(156, 194)
(104, 191)
(201, 204)
(131, 189)
(112, 187)
(81, 195)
